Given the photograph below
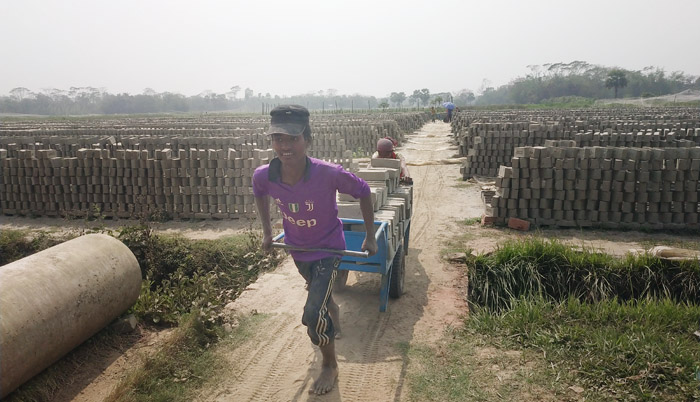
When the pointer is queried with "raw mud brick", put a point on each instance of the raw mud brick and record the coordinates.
(518, 224)
(396, 209)
(373, 174)
(505, 172)
(349, 198)
(387, 214)
(349, 210)
(379, 192)
(385, 162)
(400, 203)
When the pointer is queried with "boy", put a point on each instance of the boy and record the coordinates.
(304, 190)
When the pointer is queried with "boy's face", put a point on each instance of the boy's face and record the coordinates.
(384, 154)
(289, 148)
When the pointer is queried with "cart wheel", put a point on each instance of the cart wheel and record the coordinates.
(398, 273)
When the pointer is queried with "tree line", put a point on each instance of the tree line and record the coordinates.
(547, 83)
(550, 83)
(89, 100)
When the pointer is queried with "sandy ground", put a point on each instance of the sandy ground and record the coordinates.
(280, 363)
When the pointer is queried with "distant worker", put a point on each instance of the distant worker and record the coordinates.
(385, 149)
(433, 113)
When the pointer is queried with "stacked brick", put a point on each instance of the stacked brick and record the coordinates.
(189, 184)
(643, 138)
(611, 187)
(183, 167)
(487, 140)
(392, 202)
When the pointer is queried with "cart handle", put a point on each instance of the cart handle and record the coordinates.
(349, 253)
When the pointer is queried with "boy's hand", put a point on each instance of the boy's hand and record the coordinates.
(370, 244)
(267, 243)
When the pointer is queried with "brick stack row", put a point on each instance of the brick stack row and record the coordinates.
(487, 150)
(613, 187)
(187, 184)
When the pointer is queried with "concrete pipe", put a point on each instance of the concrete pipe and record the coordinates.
(56, 299)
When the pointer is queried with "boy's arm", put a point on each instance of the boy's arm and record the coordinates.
(370, 242)
(262, 204)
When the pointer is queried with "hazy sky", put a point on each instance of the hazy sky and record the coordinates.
(367, 47)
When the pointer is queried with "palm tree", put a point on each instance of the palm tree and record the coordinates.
(616, 79)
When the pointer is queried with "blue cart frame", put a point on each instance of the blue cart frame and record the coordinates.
(353, 259)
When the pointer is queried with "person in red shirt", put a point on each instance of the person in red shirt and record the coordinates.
(385, 149)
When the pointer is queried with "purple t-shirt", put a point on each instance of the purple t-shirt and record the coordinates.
(309, 209)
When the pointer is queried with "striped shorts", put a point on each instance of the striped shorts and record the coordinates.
(319, 276)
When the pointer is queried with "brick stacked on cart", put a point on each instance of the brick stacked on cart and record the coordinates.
(392, 201)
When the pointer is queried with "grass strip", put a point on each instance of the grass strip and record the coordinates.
(610, 350)
(555, 271)
(178, 368)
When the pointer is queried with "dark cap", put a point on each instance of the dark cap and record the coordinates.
(288, 119)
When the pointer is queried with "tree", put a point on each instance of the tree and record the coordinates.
(464, 97)
(248, 93)
(616, 79)
(234, 91)
(397, 98)
(414, 98)
(425, 96)
(437, 101)
(383, 105)
(19, 93)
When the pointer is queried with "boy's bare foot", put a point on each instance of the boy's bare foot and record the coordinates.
(329, 370)
(326, 381)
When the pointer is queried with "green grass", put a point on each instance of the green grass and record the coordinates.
(641, 350)
(677, 243)
(17, 244)
(554, 271)
(472, 221)
(468, 366)
(457, 246)
(555, 323)
(636, 350)
(185, 364)
(182, 274)
(446, 377)
(176, 369)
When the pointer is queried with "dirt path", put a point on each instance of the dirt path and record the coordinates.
(280, 363)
